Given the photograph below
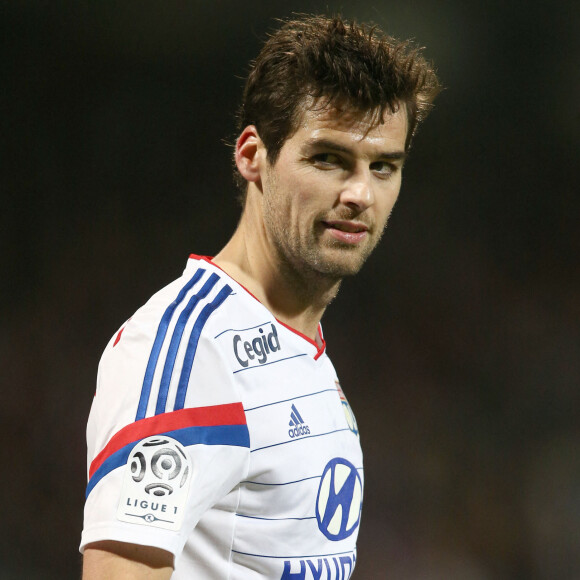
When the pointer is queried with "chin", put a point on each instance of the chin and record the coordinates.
(342, 271)
(349, 262)
(340, 268)
(333, 263)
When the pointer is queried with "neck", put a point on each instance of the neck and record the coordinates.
(294, 297)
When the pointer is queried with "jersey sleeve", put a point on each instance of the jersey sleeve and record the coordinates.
(167, 435)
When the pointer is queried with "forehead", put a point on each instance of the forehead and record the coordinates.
(318, 122)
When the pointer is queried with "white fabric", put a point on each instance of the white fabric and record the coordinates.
(270, 469)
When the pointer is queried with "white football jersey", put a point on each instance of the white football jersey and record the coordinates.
(221, 435)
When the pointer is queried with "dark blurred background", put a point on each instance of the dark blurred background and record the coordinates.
(459, 343)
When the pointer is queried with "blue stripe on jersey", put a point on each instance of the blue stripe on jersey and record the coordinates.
(269, 363)
(242, 329)
(158, 343)
(305, 556)
(300, 439)
(292, 399)
(275, 519)
(236, 435)
(192, 345)
(249, 482)
(176, 339)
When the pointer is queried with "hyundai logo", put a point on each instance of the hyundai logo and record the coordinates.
(339, 500)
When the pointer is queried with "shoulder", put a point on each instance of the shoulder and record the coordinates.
(163, 371)
(186, 304)
(170, 349)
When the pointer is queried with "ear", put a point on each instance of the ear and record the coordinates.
(249, 149)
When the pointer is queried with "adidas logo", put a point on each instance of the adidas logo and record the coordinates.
(297, 426)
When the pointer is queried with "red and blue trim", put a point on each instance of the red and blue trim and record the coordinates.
(215, 425)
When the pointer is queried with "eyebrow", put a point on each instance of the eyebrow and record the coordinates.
(328, 144)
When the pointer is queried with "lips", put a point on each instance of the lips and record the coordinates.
(348, 232)
(347, 226)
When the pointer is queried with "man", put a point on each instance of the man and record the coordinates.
(220, 442)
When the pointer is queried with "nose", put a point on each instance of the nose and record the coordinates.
(357, 192)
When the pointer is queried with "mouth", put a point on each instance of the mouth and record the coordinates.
(348, 232)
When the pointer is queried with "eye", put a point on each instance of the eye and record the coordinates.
(326, 160)
(383, 168)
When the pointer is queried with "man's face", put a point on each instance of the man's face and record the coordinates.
(329, 194)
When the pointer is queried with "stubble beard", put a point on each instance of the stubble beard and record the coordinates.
(314, 262)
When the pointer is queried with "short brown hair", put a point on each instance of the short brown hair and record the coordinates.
(346, 65)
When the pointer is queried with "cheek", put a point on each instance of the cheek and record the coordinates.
(300, 199)
(388, 201)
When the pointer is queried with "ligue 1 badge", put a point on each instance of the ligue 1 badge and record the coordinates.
(156, 484)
